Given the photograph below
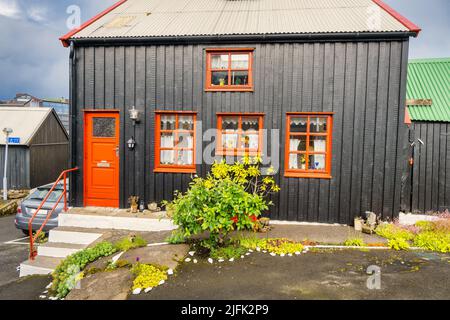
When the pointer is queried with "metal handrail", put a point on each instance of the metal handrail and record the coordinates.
(63, 175)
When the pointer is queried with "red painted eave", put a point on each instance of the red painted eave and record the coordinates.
(65, 39)
(406, 22)
(407, 117)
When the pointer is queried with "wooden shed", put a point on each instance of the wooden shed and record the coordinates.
(315, 87)
(38, 150)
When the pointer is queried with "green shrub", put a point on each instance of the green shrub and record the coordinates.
(392, 231)
(398, 244)
(272, 245)
(231, 197)
(432, 240)
(354, 242)
(68, 272)
(147, 276)
(128, 243)
(228, 252)
(176, 237)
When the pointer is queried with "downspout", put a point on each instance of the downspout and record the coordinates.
(72, 121)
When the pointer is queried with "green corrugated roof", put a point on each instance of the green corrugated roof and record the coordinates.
(429, 79)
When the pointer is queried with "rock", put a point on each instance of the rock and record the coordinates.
(111, 285)
(250, 250)
(195, 261)
(242, 257)
(258, 249)
(221, 260)
(191, 253)
(297, 252)
(42, 297)
(161, 282)
(137, 291)
(247, 254)
(48, 286)
(371, 218)
(282, 254)
(53, 298)
(170, 272)
(210, 260)
(163, 255)
(231, 260)
(290, 254)
(148, 289)
(187, 260)
(46, 291)
(272, 254)
(264, 251)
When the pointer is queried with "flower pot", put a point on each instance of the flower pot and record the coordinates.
(358, 223)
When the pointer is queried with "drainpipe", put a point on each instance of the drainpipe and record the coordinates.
(73, 119)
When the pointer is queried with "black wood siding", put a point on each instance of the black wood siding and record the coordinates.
(18, 167)
(430, 178)
(362, 82)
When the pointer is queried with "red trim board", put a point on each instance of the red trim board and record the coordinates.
(407, 23)
(65, 39)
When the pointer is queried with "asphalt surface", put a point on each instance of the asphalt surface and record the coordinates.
(315, 275)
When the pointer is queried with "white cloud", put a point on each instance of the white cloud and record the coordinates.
(10, 9)
(37, 14)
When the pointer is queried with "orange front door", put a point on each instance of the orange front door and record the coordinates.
(101, 159)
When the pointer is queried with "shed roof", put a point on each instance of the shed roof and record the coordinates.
(429, 79)
(178, 18)
(24, 121)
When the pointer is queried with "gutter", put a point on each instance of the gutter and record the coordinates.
(72, 118)
(264, 38)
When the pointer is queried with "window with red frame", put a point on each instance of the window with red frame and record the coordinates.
(229, 70)
(308, 145)
(175, 142)
(239, 134)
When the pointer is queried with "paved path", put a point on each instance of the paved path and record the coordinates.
(314, 275)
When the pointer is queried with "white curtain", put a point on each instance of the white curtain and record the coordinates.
(185, 157)
(167, 156)
(229, 140)
(253, 141)
(293, 160)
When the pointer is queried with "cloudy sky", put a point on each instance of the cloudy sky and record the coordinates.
(32, 59)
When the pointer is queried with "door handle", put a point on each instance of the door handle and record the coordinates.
(116, 149)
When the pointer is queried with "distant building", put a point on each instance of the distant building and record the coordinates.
(60, 105)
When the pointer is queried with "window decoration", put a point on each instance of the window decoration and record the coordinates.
(239, 134)
(229, 70)
(175, 142)
(308, 145)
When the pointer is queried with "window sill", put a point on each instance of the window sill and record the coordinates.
(309, 175)
(229, 89)
(174, 170)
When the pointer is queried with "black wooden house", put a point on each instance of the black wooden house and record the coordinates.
(316, 87)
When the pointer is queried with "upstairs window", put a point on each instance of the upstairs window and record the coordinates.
(175, 142)
(308, 145)
(239, 133)
(229, 70)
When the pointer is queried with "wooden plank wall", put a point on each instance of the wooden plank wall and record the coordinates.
(18, 167)
(430, 183)
(362, 82)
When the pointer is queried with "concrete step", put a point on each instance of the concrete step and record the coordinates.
(64, 235)
(115, 222)
(59, 249)
(40, 265)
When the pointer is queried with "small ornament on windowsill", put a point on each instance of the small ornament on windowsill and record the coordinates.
(141, 206)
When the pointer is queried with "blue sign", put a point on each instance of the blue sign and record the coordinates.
(13, 140)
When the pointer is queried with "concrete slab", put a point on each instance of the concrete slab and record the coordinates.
(164, 255)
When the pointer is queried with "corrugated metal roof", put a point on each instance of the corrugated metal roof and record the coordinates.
(168, 18)
(429, 79)
(24, 121)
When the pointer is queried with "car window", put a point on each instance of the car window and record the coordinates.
(40, 194)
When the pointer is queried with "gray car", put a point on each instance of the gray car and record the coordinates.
(29, 205)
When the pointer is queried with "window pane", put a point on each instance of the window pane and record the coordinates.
(229, 141)
(167, 157)
(239, 78)
(230, 123)
(249, 141)
(168, 122)
(185, 140)
(250, 123)
(317, 144)
(316, 162)
(219, 78)
(219, 61)
(318, 125)
(239, 61)
(104, 127)
(185, 157)
(298, 124)
(297, 161)
(186, 122)
(297, 143)
(167, 140)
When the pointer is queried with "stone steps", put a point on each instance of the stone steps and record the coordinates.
(40, 265)
(59, 249)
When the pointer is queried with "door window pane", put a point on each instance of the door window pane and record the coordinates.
(219, 78)
(219, 61)
(104, 127)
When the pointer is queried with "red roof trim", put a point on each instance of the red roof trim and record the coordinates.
(407, 23)
(65, 39)
(407, 117)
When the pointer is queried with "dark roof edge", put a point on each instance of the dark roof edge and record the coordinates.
(312, 37)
